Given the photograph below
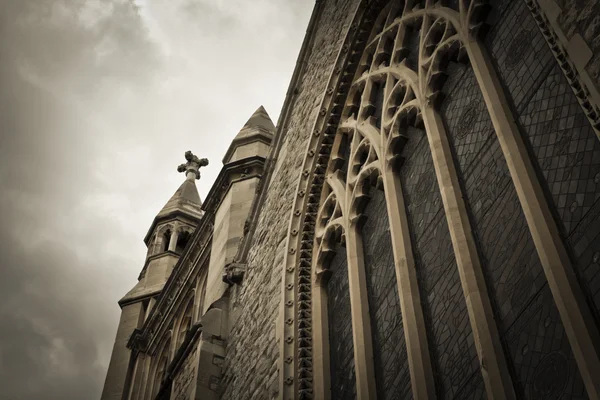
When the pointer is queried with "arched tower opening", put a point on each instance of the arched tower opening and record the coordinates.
(182, 241)
(166, 239)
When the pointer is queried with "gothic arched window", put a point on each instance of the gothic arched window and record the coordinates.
(420, 238)
(186, 322)
(162, 360)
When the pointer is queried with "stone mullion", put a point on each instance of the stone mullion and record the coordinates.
(320, 325)
(575, 313)
(173, 240)
(413, 322)
(361, 319)
(492, 361)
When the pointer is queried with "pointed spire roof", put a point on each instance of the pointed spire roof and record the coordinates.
(260, 119)
(186, 199)
(259, 128)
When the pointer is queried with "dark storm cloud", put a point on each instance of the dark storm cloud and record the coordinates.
(53, 311)
(98, 101)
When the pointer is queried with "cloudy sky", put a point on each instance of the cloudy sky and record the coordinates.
(99, 99)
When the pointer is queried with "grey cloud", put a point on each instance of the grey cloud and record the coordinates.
(97, 106)
(57, 306)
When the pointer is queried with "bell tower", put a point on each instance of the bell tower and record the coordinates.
(168, 235)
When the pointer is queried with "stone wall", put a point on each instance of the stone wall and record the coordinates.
(183, 387)
(251, 362)
(583, 18)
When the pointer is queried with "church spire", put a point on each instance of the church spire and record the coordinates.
(186, 199)
(253, 139)
(260, 119)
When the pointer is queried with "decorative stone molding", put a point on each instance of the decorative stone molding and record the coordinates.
(296, 348)
(580, 81)
(193, 164)
(136, 341)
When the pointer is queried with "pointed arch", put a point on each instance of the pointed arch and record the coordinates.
(159, 364)
(386, 90)
(186, 319)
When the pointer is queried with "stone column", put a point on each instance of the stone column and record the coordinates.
(494, 368)
(361, 319)
(321, 362)
(173, 240)
(413, 322)
(574, 311)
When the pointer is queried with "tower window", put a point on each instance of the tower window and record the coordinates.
(165, 240)
(182, 241)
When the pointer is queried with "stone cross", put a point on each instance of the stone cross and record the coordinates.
(192, 166)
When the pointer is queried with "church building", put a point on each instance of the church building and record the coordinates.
(423, 221)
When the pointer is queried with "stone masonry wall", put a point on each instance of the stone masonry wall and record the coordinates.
(251, 362)
(583, 17)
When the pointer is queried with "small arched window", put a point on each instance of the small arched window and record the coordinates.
(166, 239)
(161, 368)
(182, 240)
(186, 323)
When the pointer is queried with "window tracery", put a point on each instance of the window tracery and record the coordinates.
(385, 84)
(185, 322)
(161, 363)
(384, 102)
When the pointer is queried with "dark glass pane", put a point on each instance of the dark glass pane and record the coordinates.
(453, 354)
(511, 266)
(343, 381)
(389, 345)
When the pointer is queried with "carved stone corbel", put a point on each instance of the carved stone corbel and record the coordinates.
(234, 273)
(137, 341)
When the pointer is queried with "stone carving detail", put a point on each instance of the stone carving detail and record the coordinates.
(299, 275)
(234, 273)
(193, 164)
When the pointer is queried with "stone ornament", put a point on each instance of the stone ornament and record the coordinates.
(193, 164)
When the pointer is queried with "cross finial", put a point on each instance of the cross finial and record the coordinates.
(192, 166)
